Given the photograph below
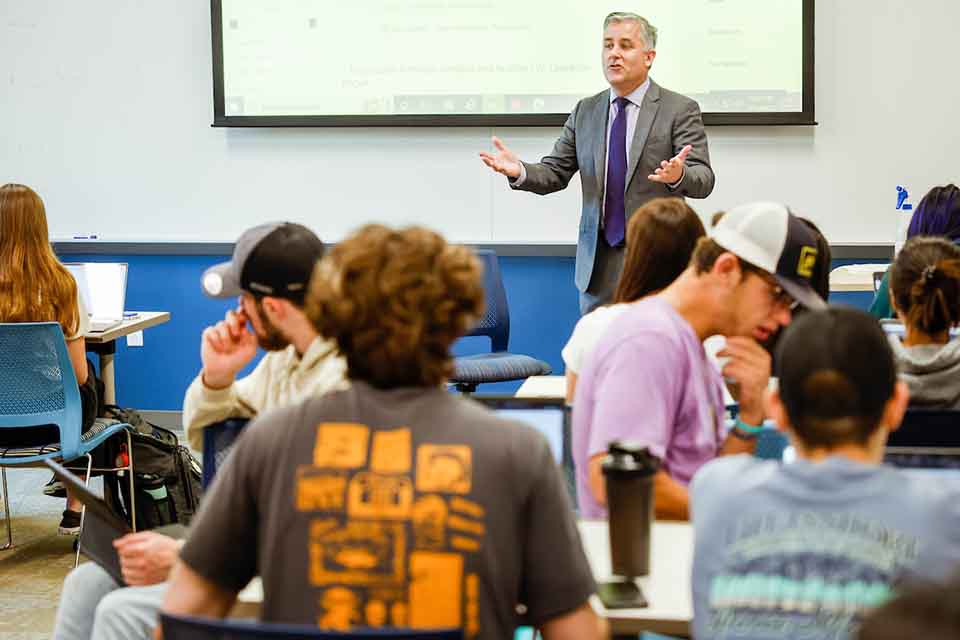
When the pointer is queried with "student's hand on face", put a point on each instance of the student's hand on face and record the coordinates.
(146, 557)
(749, 366)
(226, 348)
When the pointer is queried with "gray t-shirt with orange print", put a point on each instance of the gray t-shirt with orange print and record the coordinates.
(408, 508)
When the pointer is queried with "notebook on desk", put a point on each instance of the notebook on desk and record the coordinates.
(101, 525)
(103, 289)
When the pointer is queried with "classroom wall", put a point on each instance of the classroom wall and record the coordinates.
(107, 109)
(543, 310)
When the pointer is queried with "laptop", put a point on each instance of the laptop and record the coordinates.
(103, 289)
(101, 526)
(549, 416)
(895, 328)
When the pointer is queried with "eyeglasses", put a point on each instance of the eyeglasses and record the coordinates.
(779, 295)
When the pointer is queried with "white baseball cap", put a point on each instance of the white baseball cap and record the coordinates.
(769, 237)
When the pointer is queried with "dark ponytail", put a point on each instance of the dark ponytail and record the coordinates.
(925, 283)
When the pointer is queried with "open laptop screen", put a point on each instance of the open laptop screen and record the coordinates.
(103, 287)
(547, 415)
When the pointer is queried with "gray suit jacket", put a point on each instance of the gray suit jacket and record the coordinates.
(666, 123)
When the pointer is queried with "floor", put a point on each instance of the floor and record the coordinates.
(32, 572)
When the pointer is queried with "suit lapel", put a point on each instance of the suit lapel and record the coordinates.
(602, 116)
(648, 111)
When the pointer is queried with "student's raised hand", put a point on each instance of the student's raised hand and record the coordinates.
(671, 171)
(146, 557)
(749, 366)
(226, 348)
(504, 161)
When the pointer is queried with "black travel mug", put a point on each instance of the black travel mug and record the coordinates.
(628, 470)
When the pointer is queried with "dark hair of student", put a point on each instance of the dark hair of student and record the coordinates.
(925, 284)
(661, 236)
(837, 373)
(394, 301)
(930, 611)
(938, 214)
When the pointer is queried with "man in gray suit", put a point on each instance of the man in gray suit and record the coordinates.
(667, 154)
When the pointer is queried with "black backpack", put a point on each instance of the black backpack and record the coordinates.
(166, 475)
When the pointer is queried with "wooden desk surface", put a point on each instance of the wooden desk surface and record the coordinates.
(143, 320)
(667, 588)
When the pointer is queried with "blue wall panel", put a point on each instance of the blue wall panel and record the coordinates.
(543, 310)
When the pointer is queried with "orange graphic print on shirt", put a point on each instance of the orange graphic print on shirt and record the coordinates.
(387, 546)
(341, 446)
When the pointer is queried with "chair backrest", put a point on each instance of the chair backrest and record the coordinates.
(771, 444)
(218, 438)
(37, 382)
(495, 322)
(186, 628)
(927, 431)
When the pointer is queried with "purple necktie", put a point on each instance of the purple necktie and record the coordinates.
(614, 214)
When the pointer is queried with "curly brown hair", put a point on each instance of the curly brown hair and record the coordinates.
(394, 301)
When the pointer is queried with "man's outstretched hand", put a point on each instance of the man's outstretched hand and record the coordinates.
(671, 171)
(504, 161)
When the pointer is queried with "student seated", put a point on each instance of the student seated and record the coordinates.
(926, 611)
(805, 549)
(35, 287)
(649, 379)
(925, 294)
(271, 267)
(938, 214)
(661, 236)
(392, 503)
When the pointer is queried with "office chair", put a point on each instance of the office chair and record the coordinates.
(771, 444)
(188, 628)
(38, 387)
(499, 365)
(218, 439)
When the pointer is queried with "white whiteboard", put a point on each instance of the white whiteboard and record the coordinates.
(106, 108)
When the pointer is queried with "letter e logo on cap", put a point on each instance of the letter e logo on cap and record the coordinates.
(808, 259)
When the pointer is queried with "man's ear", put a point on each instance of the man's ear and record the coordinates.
(649, 58)
(275, 309)
(895, 407)
(727, 266)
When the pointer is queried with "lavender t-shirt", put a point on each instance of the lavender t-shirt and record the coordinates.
(649, 381)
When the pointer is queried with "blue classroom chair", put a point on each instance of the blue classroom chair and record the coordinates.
(218, 439)
(187, 628)
(38, 387)
(499, 365)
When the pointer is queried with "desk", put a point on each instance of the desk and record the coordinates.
(543, 387)
(667, 588)
(104, 344)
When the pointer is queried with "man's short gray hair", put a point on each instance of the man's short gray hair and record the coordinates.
(647, 31)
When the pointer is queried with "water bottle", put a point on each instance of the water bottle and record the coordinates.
(628, 470)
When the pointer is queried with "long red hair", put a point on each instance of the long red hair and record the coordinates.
(34, 286)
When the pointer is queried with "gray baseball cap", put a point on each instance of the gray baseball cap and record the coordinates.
(274, 259)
